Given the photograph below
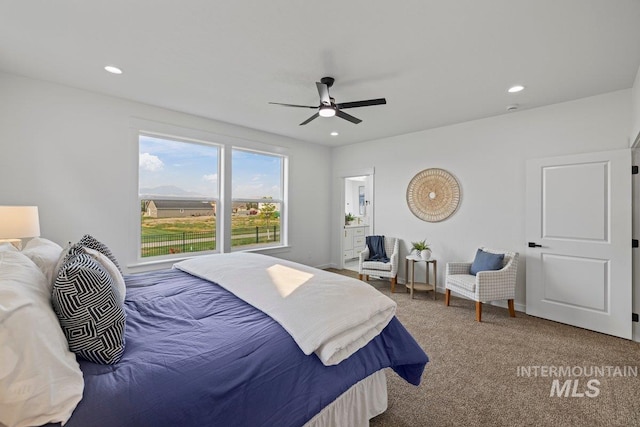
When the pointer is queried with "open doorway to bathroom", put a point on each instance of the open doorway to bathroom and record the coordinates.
(358, 213)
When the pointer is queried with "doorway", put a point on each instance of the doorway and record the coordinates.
(357, 202)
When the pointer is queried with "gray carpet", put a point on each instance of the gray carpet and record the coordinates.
(472, 377)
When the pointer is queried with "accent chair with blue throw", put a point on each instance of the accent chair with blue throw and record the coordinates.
(491, 276)
(380, 258)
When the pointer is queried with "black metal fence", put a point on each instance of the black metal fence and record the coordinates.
(198, 241)
(173, 243)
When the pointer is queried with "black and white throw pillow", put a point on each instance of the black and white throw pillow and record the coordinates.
(88, 309)
(91, 242)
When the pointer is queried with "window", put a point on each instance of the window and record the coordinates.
(178, 191)
(182, 208)
(257, 199)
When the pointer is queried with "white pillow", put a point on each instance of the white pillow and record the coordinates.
(61, 259)
(44, 253)
(40, 379)
(118, 281)
(6, 246)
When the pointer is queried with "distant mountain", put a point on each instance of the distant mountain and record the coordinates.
(167, 190)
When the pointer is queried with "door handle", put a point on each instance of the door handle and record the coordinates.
(534, 245)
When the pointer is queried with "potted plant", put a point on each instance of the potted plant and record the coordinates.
(348, 219)
(422, 249)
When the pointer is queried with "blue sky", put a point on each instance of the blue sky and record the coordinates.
(192, 168)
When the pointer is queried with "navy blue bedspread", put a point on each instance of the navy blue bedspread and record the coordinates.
(196, 355)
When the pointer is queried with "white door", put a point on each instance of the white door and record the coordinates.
(579, 212)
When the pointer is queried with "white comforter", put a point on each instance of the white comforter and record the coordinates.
(326, 313)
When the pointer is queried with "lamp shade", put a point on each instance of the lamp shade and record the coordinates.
(17, 222)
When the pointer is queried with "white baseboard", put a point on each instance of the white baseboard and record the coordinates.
(325, 266)
(499, 303)
(518, 307)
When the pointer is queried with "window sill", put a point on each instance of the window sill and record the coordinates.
(157, 264)
(269, 250)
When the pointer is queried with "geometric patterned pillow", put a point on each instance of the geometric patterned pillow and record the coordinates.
(119, 285)
(86, 304)
(90, 242)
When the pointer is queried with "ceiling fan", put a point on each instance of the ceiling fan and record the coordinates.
(328, 106)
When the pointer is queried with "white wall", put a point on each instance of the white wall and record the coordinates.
(488, 158)
(635, 110)
(72, 153)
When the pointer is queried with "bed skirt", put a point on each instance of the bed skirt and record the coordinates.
(356, 406)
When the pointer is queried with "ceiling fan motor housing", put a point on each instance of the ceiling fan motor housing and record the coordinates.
(327, 81)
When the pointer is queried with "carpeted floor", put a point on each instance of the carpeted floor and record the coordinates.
(473, 378)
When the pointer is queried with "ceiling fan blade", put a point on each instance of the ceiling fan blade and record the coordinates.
(346, 116)
(366, 103)
(323, 91)
(309, 119)
(293, 105)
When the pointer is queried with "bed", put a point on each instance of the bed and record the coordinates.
(197, 354)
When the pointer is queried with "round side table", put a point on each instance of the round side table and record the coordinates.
(427, 285)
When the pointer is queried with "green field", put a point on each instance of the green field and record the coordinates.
(163, 236)
(176, 225)
(199, 224)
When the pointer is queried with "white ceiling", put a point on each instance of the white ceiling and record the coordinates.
(437, 62)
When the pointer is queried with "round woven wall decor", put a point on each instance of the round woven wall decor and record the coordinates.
(433, 195)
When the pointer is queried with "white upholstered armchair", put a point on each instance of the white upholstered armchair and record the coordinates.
(485, 285)
(378, 268)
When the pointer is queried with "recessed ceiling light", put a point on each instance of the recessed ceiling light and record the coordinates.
(334, 133)
(516, 88)
(113, 70)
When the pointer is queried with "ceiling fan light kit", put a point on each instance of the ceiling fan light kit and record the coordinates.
(327, 111)
(328, 106)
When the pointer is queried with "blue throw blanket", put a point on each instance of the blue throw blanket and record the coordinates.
(376, 249)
